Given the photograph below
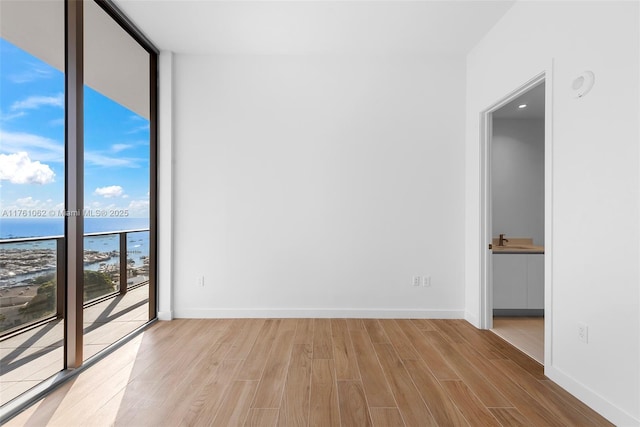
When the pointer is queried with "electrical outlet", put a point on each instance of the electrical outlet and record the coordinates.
(417, 280)
(426, 282)
(583, 332)
(201, 281)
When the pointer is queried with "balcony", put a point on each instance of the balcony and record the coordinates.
(32, 304)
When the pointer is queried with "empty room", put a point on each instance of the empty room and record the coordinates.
(321, 212)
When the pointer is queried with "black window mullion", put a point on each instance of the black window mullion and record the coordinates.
(153, 184)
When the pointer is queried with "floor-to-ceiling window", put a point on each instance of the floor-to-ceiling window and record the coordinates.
(77, 186)
(32, 185)
(116, 180)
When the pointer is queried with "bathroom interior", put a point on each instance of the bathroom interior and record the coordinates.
(517, 209)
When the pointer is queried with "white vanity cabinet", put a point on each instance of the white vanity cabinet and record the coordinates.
(535, 281)
(518, 281)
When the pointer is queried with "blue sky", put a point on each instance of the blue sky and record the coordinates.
(32, 142)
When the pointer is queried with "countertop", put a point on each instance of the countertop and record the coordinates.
(517, 245)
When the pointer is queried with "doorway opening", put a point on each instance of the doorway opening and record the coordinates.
(514, 218)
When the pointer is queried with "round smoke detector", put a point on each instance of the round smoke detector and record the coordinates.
(583, 83)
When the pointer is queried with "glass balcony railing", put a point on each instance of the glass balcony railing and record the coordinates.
(32, 269)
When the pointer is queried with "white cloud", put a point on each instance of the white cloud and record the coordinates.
(38, 147)
(35, 73)
(35, 102)
(18, 168)
(116, 148)
(110, 191)
(98, 159)
(27, 203)
(139, 129)
(139, 208)
(30, 203)
(49, 150)
(5, 117)
(135, 208)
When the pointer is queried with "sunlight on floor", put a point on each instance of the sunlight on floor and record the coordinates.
(37, 354)
(80, 397)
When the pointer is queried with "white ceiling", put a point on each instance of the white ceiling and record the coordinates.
(307, 27)
(115, 65)
(533, 99)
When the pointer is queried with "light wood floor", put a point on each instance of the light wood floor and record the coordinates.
(524, 333)
(312, 372)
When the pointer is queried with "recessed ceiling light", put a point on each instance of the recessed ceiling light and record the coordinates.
(521, 106)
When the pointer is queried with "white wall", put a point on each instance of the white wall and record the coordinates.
(165, 186)
(318, 185)
(517, 178)
(592, 249)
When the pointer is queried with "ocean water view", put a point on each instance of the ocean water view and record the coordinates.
(17, 228)
(100, 251)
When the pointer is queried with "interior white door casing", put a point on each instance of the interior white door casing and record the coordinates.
(486, 294)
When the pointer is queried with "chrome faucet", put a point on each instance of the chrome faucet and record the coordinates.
(502, 240)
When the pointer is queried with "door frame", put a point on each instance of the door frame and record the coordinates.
(486, 232)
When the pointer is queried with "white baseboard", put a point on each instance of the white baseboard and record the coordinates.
(592, 399)
(195, 313)
(472, 318)
(165, 315)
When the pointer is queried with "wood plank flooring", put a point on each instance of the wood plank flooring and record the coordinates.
(524, 333)
(312, 372)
